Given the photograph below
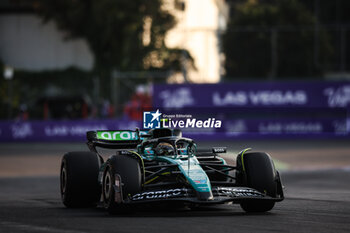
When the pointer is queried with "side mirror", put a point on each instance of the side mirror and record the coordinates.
(217, 150)
(143, 133)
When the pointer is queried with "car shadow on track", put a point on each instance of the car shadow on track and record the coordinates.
(165, 211)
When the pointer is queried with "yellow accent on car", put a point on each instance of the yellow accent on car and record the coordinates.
(143, 165)
(154, 178)
(242, 153)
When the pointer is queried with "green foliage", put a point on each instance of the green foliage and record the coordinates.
(248, 42)
(114, 30)
(123, 35)
(330, 12)
(333, 16)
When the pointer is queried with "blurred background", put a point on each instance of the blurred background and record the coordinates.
(276, 72)
(266, 67)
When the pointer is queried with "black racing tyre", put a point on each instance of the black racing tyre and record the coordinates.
(129, 170)
(79, 179)
(260, 174)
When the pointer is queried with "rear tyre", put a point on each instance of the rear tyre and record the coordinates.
(79, 179)
(129, 171)
(259, 173)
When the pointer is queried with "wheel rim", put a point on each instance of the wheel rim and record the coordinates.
(63, 180)
(107, 185)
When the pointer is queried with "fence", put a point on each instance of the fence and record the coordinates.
(293, 51)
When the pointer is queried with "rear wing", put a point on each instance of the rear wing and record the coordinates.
(114, 139)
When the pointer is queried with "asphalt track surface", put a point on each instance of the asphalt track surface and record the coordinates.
(317, 200)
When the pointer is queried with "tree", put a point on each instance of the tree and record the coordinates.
(273, 38)
(334, 18)
(115, 31)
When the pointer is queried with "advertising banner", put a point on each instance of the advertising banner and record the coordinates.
(254, 94)
(75, 131)
(58, 131)
(263, 109)
(220, 111)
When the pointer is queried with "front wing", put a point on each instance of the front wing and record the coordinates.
(220, 195)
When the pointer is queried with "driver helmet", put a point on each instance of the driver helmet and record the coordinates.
(165, 148)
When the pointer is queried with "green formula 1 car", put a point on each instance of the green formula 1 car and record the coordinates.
(162, 166)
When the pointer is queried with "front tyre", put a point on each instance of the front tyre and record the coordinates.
(79, 179)
(258, 172)
(129, 171)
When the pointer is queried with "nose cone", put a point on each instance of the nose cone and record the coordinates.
(205, 196)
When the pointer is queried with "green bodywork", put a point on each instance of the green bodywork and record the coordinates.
(192, 171)
(187, 164)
